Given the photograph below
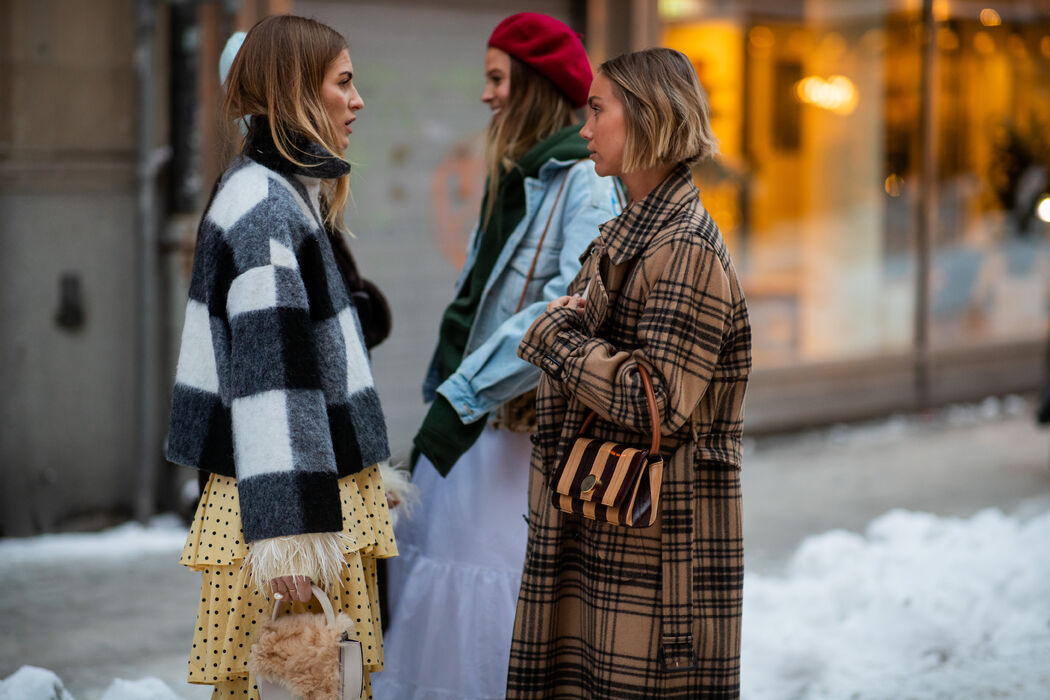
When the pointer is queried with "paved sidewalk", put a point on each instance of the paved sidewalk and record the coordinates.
(91, 622)
(952, 463)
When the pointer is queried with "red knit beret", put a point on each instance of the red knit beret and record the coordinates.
(551, 48)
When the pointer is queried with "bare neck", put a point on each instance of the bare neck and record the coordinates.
(641, 182)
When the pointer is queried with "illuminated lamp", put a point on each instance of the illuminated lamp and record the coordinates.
(990, 18)
(836, 94)
(1042, 209)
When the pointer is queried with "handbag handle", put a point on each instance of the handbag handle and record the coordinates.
(322, 598)
(543, 236)
(654, 417)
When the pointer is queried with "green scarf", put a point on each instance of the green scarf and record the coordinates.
(443, 438)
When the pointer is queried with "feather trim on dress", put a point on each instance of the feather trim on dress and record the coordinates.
(397, 482)
(319, 555)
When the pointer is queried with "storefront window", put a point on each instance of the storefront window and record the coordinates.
(818, 107)
(991, 253)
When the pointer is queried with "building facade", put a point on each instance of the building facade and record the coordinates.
(883, 186)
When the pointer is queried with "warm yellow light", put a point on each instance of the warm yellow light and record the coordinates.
(1016, 45)
(893, 185)
(1044, 46)
(761, 37)
(990, 18)
(679, 9)
(832, 46)
(800, 41)
(983, 42)
(942, 10)
(947, 40)
(1042, 209)
(836, 94)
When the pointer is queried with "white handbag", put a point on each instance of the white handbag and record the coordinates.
(308, 656)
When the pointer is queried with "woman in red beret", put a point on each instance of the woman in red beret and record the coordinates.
(453, 591)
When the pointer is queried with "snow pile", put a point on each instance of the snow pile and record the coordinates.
(32, 683)
(920, 607)
(165, 533)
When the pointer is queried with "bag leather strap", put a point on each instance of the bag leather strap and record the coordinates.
(322, 598)
(654, 416)
(543, 236)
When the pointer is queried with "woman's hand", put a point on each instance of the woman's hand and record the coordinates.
(575, 302)
(292, 587)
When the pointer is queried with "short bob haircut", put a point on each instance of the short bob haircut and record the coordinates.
(666, 113)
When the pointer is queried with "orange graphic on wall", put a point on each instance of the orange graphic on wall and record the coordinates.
(456, 188)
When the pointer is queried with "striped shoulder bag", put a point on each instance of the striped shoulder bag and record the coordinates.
(608, 481)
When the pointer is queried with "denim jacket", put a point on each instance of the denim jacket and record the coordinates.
(491, 371)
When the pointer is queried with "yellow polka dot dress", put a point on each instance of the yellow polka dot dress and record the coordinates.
(231, 609)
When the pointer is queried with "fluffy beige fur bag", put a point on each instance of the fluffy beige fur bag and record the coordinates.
(308, 656)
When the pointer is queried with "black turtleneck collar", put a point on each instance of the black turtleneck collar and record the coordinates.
(259, 146)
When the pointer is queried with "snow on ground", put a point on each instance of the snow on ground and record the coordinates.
(32, 683)
(919, 607)
(164, 533)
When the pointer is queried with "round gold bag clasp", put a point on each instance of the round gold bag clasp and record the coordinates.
(589, 482)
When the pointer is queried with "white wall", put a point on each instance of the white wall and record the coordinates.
(419, 68)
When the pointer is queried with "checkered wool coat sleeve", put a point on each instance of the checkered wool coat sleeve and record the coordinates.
(607, 611)
(273, 384)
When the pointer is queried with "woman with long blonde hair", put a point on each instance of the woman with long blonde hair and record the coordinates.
(273, 393)
(452, 593)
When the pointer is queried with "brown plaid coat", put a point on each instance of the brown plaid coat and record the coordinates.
(612, 612)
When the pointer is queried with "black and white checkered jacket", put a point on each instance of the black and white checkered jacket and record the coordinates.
(274, 385)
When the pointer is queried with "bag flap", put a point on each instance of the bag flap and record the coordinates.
(599, 471)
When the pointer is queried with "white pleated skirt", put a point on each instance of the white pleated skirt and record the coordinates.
(453, 590)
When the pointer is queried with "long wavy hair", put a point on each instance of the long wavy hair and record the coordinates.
(278, 73)
(535, 109)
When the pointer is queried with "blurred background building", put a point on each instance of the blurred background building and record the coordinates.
(884, 187)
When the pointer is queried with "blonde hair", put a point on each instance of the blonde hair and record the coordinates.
(535, 109)
(666, 113)
(278, 73)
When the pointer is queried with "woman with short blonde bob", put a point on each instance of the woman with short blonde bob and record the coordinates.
(652, 612)
(273, 392)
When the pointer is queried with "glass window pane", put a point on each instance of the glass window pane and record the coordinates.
(814, 188)
(991, 250)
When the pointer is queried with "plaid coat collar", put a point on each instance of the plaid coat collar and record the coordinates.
(625, 236)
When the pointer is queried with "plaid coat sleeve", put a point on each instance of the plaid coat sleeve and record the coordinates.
(682, 322)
